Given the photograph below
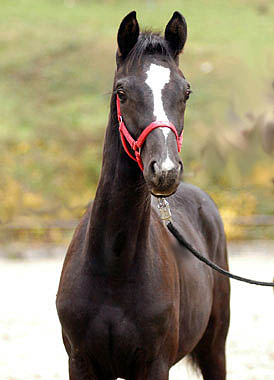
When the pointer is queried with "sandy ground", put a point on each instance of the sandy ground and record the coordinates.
(30, 340)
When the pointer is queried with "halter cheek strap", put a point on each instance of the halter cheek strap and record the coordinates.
(137, 144)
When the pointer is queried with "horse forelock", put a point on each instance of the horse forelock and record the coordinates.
(149, 43)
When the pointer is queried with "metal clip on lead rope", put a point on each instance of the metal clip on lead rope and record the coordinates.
(164, 210)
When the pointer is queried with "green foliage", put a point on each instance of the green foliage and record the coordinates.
(56, 69)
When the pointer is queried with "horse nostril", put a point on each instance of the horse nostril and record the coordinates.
(154, 168)
(181, 167)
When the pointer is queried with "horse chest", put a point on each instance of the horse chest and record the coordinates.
(112, 324)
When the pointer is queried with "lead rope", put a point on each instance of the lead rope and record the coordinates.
(165, 214)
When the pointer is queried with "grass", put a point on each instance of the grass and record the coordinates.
(56, 69)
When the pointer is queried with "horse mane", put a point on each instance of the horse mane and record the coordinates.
(149, 43)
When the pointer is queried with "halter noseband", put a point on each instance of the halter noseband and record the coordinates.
(136, 145)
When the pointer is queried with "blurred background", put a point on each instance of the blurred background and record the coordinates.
(56, 71)
(57, 65)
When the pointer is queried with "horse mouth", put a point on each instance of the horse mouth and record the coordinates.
(164, 190)
(162, 195)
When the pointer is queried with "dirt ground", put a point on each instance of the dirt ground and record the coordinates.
(30, 339)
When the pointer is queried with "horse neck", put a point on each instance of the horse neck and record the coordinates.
(118, 226)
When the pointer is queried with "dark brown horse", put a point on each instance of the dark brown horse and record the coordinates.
(132, 302)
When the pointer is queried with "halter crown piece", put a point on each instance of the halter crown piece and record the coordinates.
(137, 144)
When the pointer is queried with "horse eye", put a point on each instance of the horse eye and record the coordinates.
(187, 93)
(121, 94)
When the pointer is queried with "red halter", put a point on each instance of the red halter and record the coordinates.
(136, 145)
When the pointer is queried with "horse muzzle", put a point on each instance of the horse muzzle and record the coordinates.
(163, 180)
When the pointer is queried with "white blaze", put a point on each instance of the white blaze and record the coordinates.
(157, 78)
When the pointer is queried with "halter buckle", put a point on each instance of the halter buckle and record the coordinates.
(164, 210)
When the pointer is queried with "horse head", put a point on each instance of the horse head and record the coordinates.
(151, 96)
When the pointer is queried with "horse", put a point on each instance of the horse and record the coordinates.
(132, 301)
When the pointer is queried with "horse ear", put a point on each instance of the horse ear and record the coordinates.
(176, 34)
(128, 34)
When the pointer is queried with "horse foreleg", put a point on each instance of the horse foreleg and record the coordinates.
(157, 370)
(80, 370)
